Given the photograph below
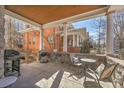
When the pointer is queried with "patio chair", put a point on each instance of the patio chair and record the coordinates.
(104, 75)
(75, 64)
(74, 59)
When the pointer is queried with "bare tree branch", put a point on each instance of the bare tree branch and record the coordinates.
(100, 25)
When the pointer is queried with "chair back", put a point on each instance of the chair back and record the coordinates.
(107, 72)
(100, 68)
(74, 59)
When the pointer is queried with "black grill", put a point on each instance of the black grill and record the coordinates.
(11, 53)
(11, 62)
(43, 56)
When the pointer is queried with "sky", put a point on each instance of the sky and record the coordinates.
(88, 24)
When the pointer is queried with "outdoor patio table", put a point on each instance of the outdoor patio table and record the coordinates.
(87, 62)
(77, 70)
(7, 81)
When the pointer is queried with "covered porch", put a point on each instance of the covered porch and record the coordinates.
(58, 71)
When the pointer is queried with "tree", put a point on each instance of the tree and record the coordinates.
(100, 25)
(14, 39)
(118, 27)
(85, 46)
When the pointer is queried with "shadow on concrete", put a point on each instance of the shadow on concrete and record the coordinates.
(58, 79)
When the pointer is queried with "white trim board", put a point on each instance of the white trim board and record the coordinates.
(116, 8)
(29, 30)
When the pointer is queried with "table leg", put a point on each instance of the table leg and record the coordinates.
(85, 71)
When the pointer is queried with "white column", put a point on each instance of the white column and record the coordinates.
(2, 41)
(73, 40)
(65, 38)
(77, 40)
(41, 39)
(109, 35)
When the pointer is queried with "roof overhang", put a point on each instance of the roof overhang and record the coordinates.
(50, 15)
(79, 17)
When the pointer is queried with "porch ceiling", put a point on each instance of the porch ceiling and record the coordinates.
(43, 14)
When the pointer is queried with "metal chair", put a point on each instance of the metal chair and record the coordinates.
(105, 75)
(75, 65)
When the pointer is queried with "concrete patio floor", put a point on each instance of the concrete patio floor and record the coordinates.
(50, 75)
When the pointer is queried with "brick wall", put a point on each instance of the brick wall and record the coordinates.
(74, 49)
(71, 49)
(1, 42)
(49, 33)
(29, 45)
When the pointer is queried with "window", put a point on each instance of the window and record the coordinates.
(75, 41)
(33, 40)
(51, 39)
(61, 41)
(70, 40)
(29, 42)
(27, 26)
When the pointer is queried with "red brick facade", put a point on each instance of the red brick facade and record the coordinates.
(57, 42)
(31, 41)
(52, 41)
